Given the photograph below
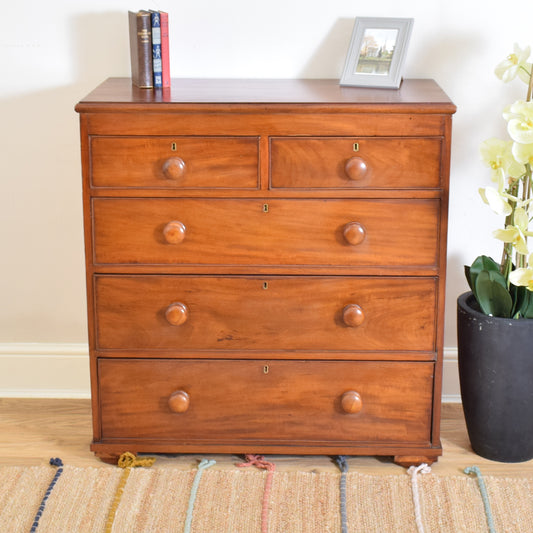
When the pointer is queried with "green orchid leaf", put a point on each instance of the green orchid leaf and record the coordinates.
(526, 309)
(492, 294)
(479, 265)
(468, 279)
(517, 295)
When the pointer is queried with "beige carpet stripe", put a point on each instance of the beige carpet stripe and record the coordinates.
(21, 492)
(229, 501)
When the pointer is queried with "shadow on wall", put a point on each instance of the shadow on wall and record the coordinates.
(456, 284)
(42, 246)
(328, 59)
(100, 47)
(444, 55)
(454, 63)
(41, 208)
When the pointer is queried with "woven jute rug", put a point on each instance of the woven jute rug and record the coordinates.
(66, 499)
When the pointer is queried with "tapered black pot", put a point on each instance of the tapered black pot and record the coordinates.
(496, 377)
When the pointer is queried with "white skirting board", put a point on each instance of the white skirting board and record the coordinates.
(34, 370)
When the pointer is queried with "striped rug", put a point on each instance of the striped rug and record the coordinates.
(256, 498)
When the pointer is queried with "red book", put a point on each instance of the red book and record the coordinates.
(165, 54)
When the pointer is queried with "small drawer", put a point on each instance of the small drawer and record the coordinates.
(348, 233)
(175, 162)
(235, 402)
(344, 163)
(276, 313)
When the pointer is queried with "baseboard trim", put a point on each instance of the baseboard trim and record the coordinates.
(451, 391)
(451, 398)
(44, 370)
(47, 370)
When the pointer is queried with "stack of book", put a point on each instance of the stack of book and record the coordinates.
(150, 62)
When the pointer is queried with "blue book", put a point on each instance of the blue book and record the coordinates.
(156, 49)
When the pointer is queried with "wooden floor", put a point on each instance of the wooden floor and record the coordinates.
(33, 430)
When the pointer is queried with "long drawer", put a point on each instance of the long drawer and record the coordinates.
(313, 313)
(345, 163)
(269, 401)
(175, 162)
(266, 232)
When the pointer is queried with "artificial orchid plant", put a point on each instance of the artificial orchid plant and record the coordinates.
(506, 289)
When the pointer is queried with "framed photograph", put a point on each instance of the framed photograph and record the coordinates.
(377, 52)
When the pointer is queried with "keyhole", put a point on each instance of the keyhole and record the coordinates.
(265, 285)
(173, 147)
(265, 208)
(266, 369)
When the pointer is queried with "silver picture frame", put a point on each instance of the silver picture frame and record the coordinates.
(377, 52)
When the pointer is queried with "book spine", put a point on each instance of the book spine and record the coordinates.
(165, 51)
(141, 49)
(156, 50)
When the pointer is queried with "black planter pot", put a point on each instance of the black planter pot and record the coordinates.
(496, 377)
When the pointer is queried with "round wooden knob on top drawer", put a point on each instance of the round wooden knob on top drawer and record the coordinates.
(353, 316)
(354, 233)
(179, 401)
(174, 168)
(356, 169)
(177, 314)
(174, 232)
(351, 402)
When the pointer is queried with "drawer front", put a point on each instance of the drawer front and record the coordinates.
(175, 162)
(312, 313)
(268, 401)
(266, 232)
(339, 163)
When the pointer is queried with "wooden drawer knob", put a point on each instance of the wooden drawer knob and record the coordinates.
(351, 402)
(353, 315)
(179, 401)
(356, 168)
(174, 232)
(354, 233)
(177, 314)
(174, 168)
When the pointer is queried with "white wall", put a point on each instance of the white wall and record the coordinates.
(53, 53)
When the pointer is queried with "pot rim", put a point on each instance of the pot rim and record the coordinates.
(464, 303)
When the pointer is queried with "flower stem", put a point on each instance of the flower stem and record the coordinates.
(526, 194)
(506, 264)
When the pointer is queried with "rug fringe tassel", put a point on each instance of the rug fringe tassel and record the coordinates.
(127, 461)
(54, 461)
(343, 467)
(260, 462)
(205, 463)
(413, 471)
(484, 495)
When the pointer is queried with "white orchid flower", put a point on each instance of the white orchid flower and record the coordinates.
(513, 235)
(523, 153)
(520, 125)
(523, 277)
(515, 65)
(498, 155)
(517, 233)
(496, 201)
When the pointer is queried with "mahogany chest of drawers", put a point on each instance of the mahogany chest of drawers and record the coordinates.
(266, 266)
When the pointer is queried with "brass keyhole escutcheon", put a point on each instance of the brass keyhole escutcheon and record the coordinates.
(355, 147)
(266, 369)
(173, 147)
(265, 208)
(265, 285)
